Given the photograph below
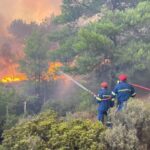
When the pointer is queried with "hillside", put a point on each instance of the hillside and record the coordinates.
(51, 73)
(48, 131)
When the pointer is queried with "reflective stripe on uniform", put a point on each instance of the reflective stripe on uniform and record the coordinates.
(133, 94)
(102, 99)
(107, 96)
(113, 93)
(99, 99)
(113, 99)
(124, 90)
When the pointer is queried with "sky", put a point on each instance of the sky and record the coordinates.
(27, 10)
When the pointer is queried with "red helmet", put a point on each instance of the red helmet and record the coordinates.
(122, 77)
(104, 84)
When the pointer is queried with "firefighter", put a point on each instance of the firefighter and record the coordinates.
(104, 99)
(123, 91)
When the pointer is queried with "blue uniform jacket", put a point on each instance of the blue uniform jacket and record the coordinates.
(105, 103)
(123, 91)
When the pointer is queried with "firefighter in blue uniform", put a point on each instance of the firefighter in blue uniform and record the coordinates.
(123, 91)
(104, 99)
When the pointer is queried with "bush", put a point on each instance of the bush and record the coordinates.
(46, 131)
(131, 128)
(1, 147)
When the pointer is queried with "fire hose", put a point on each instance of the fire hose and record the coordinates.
(83, 87)
(140, 87)
(92, 93)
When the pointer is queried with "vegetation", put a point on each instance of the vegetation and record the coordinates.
(130, 129)
(91, 51)
(35, 64)
(72, 10)
(116, 38)
(47, 131)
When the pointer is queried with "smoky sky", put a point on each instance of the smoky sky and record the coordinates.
(27, 10)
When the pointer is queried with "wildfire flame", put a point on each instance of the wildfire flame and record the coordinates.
(52, 71)
(11, 73)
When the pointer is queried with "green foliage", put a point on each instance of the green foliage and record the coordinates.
(133, 49)
(1, 147)
(135, 54)
(65, 37)
(47, 132)
(8, 100)
(93, 41)
(8, 103)
(85, 63)
(119, 40)
(35, 63)
(130, 131)
(72, 10)
(121, 37)
(130, 127)
(11, 120)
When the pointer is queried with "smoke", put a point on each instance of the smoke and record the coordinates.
(3, 30)
(28, 11)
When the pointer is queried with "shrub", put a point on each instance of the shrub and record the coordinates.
(46, 131)
(131, 128)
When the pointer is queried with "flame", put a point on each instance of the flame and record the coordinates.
(11, 73)
(29, 11)
(52, 71)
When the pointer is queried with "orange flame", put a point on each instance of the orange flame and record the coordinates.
(11, 73)
(52, 71)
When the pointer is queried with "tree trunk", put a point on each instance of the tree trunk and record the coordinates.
(25, 108)
(7, 114)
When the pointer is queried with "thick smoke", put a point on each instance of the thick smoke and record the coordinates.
(27, 11)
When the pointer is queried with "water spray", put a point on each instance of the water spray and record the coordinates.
(80, 85)
(92, 93)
